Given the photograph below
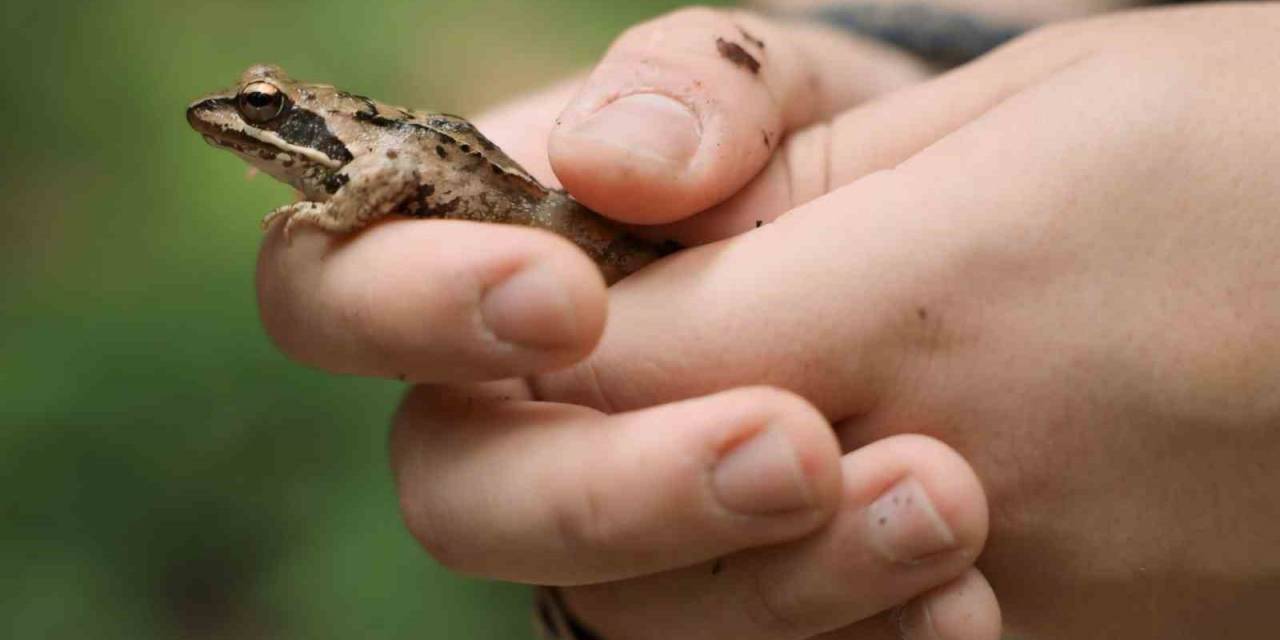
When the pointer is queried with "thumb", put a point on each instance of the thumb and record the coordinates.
(828, 300)
(880, 134)
(684, 110)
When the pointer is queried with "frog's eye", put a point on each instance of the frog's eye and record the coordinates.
(260, 101)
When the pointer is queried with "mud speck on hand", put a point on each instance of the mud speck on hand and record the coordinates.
(733, 52)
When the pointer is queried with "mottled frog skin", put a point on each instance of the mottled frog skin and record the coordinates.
(355, 160)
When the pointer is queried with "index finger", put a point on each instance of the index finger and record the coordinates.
(431, 300)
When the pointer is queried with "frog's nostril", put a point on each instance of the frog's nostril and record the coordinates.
(197, 110)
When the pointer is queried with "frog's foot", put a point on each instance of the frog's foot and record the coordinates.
(313, 213)
(316, 214)
(285, 212)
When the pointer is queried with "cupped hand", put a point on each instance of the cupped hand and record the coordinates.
(1063, 260)
(710, 500)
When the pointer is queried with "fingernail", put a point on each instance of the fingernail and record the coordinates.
(531, 309)
(905, 527)
(762, 476)
(648, 125)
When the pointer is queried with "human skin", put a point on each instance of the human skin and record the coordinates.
(1060, 260)
(684, 520)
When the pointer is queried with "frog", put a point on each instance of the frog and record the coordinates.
(354, 160)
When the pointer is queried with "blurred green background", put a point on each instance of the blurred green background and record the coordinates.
(167, 473)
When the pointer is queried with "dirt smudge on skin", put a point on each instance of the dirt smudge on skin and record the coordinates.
(733, 52)
(759, 44)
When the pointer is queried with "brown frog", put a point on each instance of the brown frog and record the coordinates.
(355, 160)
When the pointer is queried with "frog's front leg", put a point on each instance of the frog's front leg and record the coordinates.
(368, 188)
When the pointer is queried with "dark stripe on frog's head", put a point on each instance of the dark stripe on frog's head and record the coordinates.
(298, 127)
(305, 128)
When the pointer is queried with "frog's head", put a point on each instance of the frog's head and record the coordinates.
(297, 133)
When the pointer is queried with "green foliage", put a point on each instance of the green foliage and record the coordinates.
(167, 473)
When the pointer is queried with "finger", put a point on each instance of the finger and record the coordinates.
(965, 609)
(878, 135)
(884, 133)
(431, 300)
(913, 516)
(684, 110)
(580, 497)
(888, 243)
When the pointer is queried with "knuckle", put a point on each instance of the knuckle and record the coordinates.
(807, 161)
(587, 522)
(589, 519)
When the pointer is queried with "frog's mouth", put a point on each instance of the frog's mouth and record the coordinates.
(210, 120)
(245, 146)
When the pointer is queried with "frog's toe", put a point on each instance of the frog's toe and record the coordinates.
(314, 214)
(276, 214)
(291, 224)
